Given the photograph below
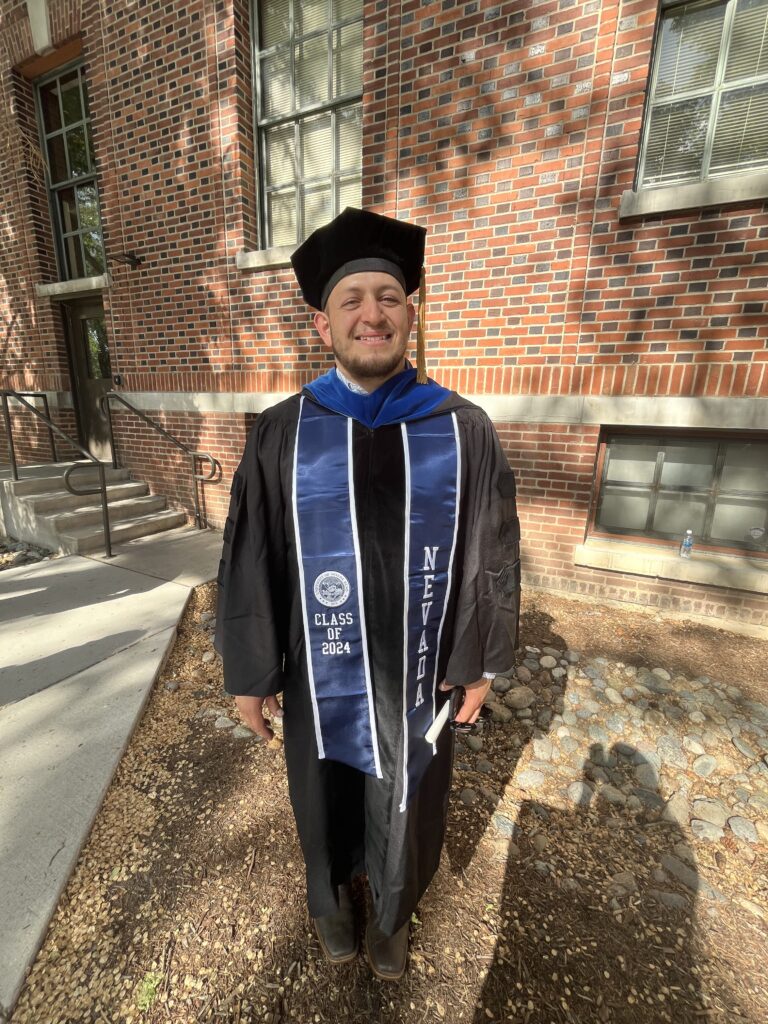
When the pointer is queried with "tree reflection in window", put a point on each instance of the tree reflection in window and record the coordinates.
(96, 351)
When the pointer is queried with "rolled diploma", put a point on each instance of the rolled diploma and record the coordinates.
(437, 726)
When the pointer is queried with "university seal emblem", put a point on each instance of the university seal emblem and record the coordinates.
(331, 589)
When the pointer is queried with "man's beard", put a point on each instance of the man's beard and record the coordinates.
(368, 368)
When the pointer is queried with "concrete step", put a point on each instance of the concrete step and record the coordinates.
(131, 508)
(88, 476)
(60, 500)
(34, 469)
(92, 538)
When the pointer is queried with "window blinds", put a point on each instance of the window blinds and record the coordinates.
(709, 105)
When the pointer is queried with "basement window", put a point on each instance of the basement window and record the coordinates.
(654, 487)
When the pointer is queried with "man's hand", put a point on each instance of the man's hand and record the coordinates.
(252, 713)
(473, 701)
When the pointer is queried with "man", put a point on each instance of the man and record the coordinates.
(371, 563)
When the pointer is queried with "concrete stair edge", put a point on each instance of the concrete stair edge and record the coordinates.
(119, 511)
(89, 539)
(52, 501)
(38, 485)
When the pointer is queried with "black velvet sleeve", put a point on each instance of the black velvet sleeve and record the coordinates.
(488, 606)
(248, 636)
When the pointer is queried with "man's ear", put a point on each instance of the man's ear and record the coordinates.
(323, 328)
(411, 314)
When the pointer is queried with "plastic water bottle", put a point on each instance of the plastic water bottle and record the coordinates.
(687, 546)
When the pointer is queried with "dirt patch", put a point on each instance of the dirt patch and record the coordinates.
(187, 903)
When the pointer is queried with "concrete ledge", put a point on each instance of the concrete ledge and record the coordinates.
(732, 188)
(594, 410)
(71, 289)
(710, 568)
(265, 259)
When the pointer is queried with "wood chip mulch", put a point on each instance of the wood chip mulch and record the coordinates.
(187, 903)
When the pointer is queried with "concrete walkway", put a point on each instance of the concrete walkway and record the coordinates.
(82, 640)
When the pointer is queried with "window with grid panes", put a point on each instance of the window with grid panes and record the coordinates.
(661, 486)
(309, 57)
(707, 114)
(70, 167)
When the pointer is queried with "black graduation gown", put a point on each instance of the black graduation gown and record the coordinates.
(347, 821)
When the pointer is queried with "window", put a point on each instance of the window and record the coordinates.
(309, 60)
(661, 486)
(68, 150)
(96, 348)
(708, 108)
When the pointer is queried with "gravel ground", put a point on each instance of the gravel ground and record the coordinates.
(605, 860)
(19, 552)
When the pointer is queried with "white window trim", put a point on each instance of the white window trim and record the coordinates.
(732, 188)
(717, 190)
(265, 259)
(710, 568)
(74, 287)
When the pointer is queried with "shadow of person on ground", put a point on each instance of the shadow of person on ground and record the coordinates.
(521, 712)
(597, 910)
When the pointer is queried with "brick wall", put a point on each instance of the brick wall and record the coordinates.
(510, 130)
(31, 438)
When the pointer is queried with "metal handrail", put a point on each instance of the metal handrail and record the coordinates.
(7, 393)
(214, 463)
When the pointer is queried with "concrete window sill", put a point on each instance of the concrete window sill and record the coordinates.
(735, 188)
(71, 289)
(266, 259)
(711, 568)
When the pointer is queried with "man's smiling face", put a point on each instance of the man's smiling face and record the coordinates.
(367, 322)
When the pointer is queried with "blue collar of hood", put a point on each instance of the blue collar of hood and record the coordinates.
(398, 400)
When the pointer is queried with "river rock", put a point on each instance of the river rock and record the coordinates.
(677, 809)
(500, 714)
(580, 794)
(613, 796)
(520, 697)
(242, 732)
(505, 826)
(689, 877)
(706, 830)
(712, 811)
(542, 748)
(743, 828)
(529, 778)
(705, 765)
(744, 748)
(673, 900)
(523, 674)
(693, 746)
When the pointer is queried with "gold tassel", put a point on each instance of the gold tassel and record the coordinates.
(421, 352)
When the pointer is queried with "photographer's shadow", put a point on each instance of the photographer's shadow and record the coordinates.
(597, 911)
(489, 760)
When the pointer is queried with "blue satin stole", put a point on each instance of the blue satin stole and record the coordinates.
(432, 486)
(332, 586)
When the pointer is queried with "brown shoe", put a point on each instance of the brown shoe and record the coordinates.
(337, 932)
(386, 953)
